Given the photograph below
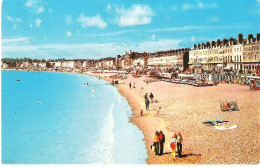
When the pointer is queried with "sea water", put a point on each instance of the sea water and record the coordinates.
(50, 118)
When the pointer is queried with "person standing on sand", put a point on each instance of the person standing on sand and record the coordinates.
(158, 110)
(156, 143)
(141, 113)
(151, 96)
(146, 96)
(161, 142)
(130, 85)
(179, 144)
(173, 145)
(147, 104)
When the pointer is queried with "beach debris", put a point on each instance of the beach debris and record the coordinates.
(222, 127)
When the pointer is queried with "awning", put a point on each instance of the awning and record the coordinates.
(228, 67)
(197, 65)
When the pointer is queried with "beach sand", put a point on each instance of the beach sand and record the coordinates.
(184, 108)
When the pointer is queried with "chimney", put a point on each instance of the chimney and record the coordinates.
(249, 38)
(240, 38)
(258, 37)
(203, 45)
(218, 42)
(213, 43)
(208, 44)
(231, 41)
(225, 41)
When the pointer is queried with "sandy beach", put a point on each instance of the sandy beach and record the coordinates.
(184, 109)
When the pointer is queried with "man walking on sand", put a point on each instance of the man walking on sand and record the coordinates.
(179, 144)
(161, 142)
(147, 104)
(130, 85)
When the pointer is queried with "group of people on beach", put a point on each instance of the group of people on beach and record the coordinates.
(176, 144)
(130, 85)
(147, 101)
(158, 145)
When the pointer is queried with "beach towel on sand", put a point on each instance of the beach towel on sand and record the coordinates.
(222, 127)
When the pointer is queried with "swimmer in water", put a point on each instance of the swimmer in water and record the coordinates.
(93, 90)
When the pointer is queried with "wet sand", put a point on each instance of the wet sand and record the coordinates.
(184, 108)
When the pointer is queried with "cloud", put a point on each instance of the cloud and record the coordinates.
(153, 46)
(95, 21)
(68, 33)
(15, 26)
(153, 37)
(15, 20)
(68, 19)
(38, 22)
(35, 6)
(199, 5)
(86, 50)
(188, 28)
(14, 41)
(135, 15)
(109, 7)
(192, 39)
(185, 28)
(112, 33)
(213, 19)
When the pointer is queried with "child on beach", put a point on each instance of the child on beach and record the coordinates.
(158, 110)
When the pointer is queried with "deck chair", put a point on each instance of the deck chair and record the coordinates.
(225, 106)
(234, 103)
(213, 122)
(221, 107)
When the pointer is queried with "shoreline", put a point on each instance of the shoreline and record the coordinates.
(144, 124)
(183, 109)
(200, 141)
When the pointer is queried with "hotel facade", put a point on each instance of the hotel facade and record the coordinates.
(229, 54)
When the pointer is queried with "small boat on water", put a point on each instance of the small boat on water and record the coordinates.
(18, 79)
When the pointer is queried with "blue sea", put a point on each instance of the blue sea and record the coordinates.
(50, 118)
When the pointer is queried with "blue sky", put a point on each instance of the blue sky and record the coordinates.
(93, 29)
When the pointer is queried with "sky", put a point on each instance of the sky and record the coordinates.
(94, 29)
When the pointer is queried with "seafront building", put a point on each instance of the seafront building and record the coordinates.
(241, 55)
